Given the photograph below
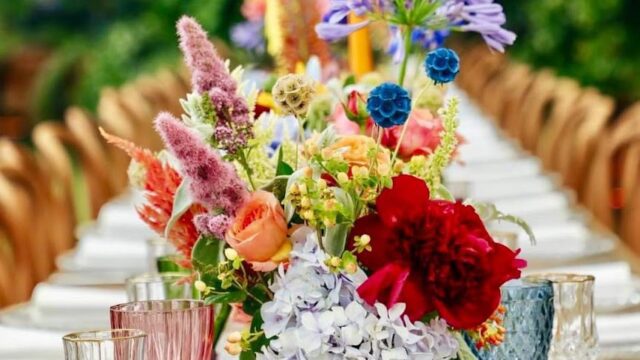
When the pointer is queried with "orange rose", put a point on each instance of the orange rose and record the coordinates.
(354, 149)
(259, 230)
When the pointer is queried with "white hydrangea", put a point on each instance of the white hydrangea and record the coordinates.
(317, 314)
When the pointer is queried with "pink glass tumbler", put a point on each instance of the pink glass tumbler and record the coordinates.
(176, 329)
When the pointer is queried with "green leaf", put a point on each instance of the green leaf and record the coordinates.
(489, 212)
(235, 296)
(247, 355)
(277, 186)
(464, 352)
(442, 193)
(346, 202)
(350, 80)
(206, 252)
(221, 317)
(283, 168)
(256, 326)
(181, 203)
(335, 239)
(251, 306)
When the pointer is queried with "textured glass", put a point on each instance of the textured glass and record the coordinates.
(157, 249)
(176, 329)
(122, 344)
(574, 329)
(528, 321)
(164, 286)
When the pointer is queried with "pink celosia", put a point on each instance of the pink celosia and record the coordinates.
(214, 183)
(233, 127)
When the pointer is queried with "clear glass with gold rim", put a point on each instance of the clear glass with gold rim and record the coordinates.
(120, 344)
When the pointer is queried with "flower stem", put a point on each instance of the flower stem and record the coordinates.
(243, 161)
(404, 130)
(407, 51)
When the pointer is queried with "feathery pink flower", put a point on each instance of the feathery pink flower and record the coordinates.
(207, 69)
(233, 127)
(216, 225)
(214, 183)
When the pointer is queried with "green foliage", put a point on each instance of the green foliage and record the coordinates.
(102, 43)
(591, 41)
(442, 154)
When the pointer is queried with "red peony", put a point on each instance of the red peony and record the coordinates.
(433, 255)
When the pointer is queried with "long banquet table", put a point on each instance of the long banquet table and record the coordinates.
(490, 168)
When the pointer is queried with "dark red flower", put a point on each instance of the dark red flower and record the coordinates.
(433, 255)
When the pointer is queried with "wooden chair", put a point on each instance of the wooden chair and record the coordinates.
(514, 96)
(19, 166)
(536, 109)
(566, 94)
(144, 113)
(16, 212)
(100, 172)
(493, 96)
(601, 190)
(579, 137)
(630, 216)
(7, 293)
(486, 68)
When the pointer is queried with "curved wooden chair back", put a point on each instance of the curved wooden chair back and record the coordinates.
(112, 115)
(158, 97)
(493, 97)
(514, 97)
(536, 109)
(174, 89)
(603, 179)
(579, 138)
(99, 172)
(15, 223)
(7, 293)
(566, 94)
(630, 217)
(144, 113)
(485, 69)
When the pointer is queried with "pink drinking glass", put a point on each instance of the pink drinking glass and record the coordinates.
(176, 329)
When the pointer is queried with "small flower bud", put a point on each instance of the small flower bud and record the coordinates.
(230, 253)
(383, 169)
(307, 214)
(322, 184)
(342, 177)
(307, 172)
(351, 268)
(364, 240)
(234, 337)
(335, 261)
(305, 202)
(303, 189)
(200, 286)
(233, 348)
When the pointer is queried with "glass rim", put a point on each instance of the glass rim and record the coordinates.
(132, 334)
(527, 284)
(561, 278)
(155, 277)
(121, 308)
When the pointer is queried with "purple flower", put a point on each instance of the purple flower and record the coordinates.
(249, 35)
(213, 182)
(482, 16)
(429, 39)
(233, 127)
(396, 45)
(334, 23)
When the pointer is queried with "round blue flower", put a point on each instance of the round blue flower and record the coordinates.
(389, 105)
(442, 65)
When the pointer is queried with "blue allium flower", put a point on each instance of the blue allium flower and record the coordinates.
(429, 39)
(442, 65)
(389, 105)
(249, 35)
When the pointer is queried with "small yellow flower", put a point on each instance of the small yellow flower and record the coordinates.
(335, 261)
(351, 268)
(342, 177)
(364, 240)
(308, 214)
(322, 184)
(305, 202)
(303, 189)
(230, 254)
(200, 286)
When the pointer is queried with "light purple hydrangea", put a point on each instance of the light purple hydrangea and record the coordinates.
(317, 314)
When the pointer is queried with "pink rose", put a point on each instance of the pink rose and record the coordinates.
(421, 137)
(259, 231)
(342, 124)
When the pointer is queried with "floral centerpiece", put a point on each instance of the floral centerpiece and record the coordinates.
(323, 218)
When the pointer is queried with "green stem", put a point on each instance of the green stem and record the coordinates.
(407, 51)
(243, 161)
(300, 138)
(221, 318)
(404, 130)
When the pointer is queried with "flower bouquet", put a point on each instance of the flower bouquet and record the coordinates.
(322, 215)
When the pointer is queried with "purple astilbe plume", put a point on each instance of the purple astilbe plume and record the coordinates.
(482, 16)
(207, 69)
(213, 182)
(216, 225)
(233, 126)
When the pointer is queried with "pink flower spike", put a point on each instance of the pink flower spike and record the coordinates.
(207, 69)
(214, 183)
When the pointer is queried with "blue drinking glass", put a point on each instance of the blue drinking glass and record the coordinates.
(528, 321)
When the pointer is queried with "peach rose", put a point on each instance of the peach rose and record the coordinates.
(259, 230)
(354, 150)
